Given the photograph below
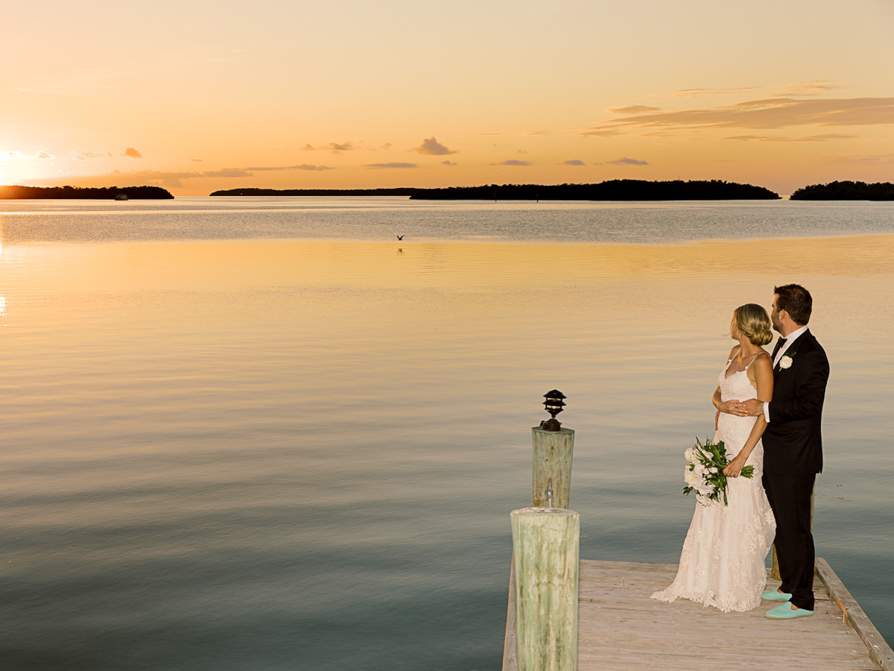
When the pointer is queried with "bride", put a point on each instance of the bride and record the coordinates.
(722, 563)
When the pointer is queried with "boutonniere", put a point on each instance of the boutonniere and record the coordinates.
(786, 361)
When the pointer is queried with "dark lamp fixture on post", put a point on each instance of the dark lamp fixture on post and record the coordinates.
(554, 406)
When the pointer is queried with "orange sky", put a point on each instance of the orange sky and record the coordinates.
(197, 96)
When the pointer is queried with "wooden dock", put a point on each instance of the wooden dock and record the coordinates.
(620, 627)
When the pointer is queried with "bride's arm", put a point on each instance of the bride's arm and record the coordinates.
(763, 373)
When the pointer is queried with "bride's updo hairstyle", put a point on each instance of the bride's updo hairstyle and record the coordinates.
(754, 323)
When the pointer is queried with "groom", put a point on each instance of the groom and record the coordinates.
(793, 451)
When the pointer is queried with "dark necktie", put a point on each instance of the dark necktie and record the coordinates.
(779, 344)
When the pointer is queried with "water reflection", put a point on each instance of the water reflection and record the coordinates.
(161, 426)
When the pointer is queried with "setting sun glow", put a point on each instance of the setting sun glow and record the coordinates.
(196, 97)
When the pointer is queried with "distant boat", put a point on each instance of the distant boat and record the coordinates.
(120, 196)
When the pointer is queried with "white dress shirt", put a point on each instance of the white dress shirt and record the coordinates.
(789, 339)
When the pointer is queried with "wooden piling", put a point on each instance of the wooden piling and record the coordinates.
(546, 560)
(553, 451)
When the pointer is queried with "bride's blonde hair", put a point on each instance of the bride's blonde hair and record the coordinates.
(754, 323)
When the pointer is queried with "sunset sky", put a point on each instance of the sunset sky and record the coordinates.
(198, 96)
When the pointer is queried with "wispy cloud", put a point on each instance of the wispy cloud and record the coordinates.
(762, 114)
(518, 133)
(513, 162)
(381, 166)
(448, 163)
(164, 178)
(633, 109)
(174, 179)
(627, 161)
(130, 152)
(15, 155)
(574, 162)
(226, 172)
(601, 131)
(432, 147)
(334, 147)
(88, 155)
(808, 88)
(303, 166)
(825, 137)
(702, 92)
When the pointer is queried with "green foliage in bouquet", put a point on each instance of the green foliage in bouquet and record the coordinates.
(704, 472)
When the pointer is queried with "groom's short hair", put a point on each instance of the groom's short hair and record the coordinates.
(796, 300)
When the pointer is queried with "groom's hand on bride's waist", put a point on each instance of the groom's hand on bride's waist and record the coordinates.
(753, 407)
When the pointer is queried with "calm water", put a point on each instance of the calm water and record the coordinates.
(264, 434)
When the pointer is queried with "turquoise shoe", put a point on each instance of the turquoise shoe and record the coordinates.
(775, 595)
(784, 612)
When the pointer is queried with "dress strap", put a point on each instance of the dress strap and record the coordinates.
(729, 362)
(755, 358)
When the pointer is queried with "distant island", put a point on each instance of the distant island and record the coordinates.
(76, 192)
(619, 189)
(845, 191)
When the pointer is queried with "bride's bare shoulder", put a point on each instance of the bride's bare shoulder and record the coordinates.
(764, 362)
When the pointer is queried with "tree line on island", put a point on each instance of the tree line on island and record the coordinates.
(845, 191)
(619, 189)
(85, 193)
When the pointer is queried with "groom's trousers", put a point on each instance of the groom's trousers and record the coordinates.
(789, 497)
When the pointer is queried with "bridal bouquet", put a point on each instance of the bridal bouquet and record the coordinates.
(704, 472)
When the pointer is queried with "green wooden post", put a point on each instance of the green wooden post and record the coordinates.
(553, 451)
(546, 560)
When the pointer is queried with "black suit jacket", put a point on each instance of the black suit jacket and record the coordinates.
(793, 443)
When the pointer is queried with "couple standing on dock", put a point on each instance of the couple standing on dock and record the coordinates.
(769, 410)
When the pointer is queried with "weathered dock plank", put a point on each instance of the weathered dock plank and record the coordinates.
(879, 649)
(620, 627)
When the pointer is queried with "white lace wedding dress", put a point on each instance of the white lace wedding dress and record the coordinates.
(722, 563)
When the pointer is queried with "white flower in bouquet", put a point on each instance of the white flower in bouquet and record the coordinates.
(691, 455)
(691, 478)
